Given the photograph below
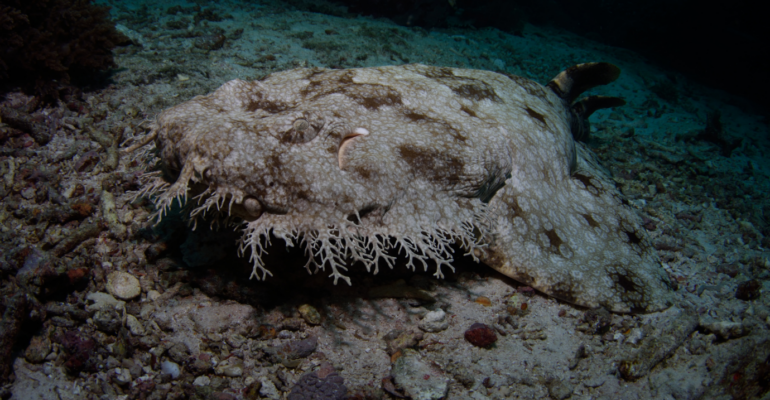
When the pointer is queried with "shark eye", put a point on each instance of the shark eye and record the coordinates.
(252, 207)
(301, 125)
(301, 132)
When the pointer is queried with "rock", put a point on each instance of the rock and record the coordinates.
(483, 300)
(111, 362)
(743, 360)
(123, 285)
(598, 320)
(239, 318)
(38, 349)
(199, 365)
(231, 367)
(103, 301)
(108, 321)
(210, 321)
(559, 390)
(725, 329)
(434, 321)
(235, 341)
(669, 335)
(517, 304)
(121, 347)
(293, 350)
(122, 376)
(170, 368)
(397, 340)
(33, 382)
(420, 380)
(79, 349)
(153, 295)
(28, 193)
(291, 324)
(202, 381)
(134, 367)
(635, 336)
(147, 342)
(110, 216)
(480, 335)
(252, 390)
(268, 389)
(178, 353)
(134, 326)
(312, 386)
(310, 314)
(39, 274)
(233, 371)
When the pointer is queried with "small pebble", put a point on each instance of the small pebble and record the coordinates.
(267, 389)
(202, 381)
(480, 335)
(484, 301)
(232, 367)
(434, 321)
(153, 295)
(517, 305)
(134, 325)
(559, 390)
(235, 340)
(310, 314)
(122, 376)
(397, 340)
(635, 336)
(123, 285)
(28, 193)
(233, 371)
(171, 368)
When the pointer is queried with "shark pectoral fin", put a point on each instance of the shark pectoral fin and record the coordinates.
(577, 240)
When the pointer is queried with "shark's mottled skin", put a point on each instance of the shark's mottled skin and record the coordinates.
(352, 163)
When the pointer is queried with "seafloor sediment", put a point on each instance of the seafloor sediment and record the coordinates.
(115, 307)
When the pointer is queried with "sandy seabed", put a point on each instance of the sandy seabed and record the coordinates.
(199, 329)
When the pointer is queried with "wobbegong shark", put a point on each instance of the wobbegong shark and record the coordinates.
(364, 165)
